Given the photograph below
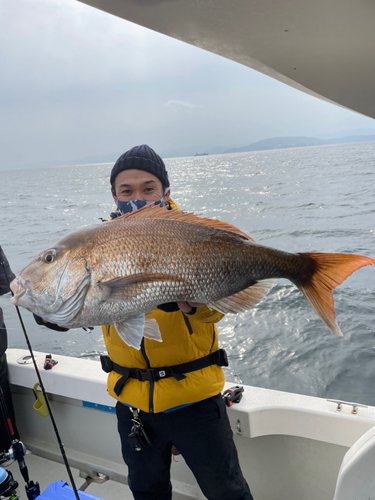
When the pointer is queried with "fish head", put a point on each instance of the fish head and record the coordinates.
(54, 284)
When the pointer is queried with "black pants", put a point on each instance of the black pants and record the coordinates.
(202, 434)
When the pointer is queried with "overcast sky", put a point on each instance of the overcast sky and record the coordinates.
(77, 82)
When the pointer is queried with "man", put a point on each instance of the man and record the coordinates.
(157, 409)
(6, 276)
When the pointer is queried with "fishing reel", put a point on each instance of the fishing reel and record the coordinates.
(8, 486)
(233, 395)
(49, 363)
(17, 451)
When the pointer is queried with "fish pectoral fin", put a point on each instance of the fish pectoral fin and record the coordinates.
(244, 300)
(128, 287)
(151, 330)
(133, 330)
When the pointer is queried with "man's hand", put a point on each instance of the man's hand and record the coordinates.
(187, 307)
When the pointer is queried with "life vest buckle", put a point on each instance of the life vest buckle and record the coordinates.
(107, 364)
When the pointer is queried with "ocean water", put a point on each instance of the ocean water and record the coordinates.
(304, 199)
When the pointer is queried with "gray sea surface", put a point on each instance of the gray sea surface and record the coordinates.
(304, 199)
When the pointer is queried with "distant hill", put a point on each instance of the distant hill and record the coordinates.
(298, 142)
(351, 138)
(346, 133)
(265, 144)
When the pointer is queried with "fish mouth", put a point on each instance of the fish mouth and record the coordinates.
(18, 288)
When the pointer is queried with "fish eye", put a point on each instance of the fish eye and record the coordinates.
(49, 256)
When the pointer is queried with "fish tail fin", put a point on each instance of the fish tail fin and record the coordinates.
(330, 270)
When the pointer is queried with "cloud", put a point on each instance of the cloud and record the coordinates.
(182, 104)
(77, 82)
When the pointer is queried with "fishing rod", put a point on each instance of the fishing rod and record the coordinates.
(61, 446)
(6, 418)
(16, 452)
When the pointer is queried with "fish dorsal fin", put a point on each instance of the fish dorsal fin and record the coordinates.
(244, 300)
(157, 212)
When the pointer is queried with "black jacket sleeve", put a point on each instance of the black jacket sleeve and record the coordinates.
(169, 307)
(51, 326)
(6, 275)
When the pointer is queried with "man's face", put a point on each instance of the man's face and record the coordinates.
(135, 184)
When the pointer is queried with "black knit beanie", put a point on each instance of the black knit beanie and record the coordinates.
(140, 158)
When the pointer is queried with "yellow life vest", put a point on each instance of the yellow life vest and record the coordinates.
(185, 338)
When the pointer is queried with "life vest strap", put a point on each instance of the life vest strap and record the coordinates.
(218, 357)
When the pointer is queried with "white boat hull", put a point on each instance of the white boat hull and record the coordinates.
(290, 446)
